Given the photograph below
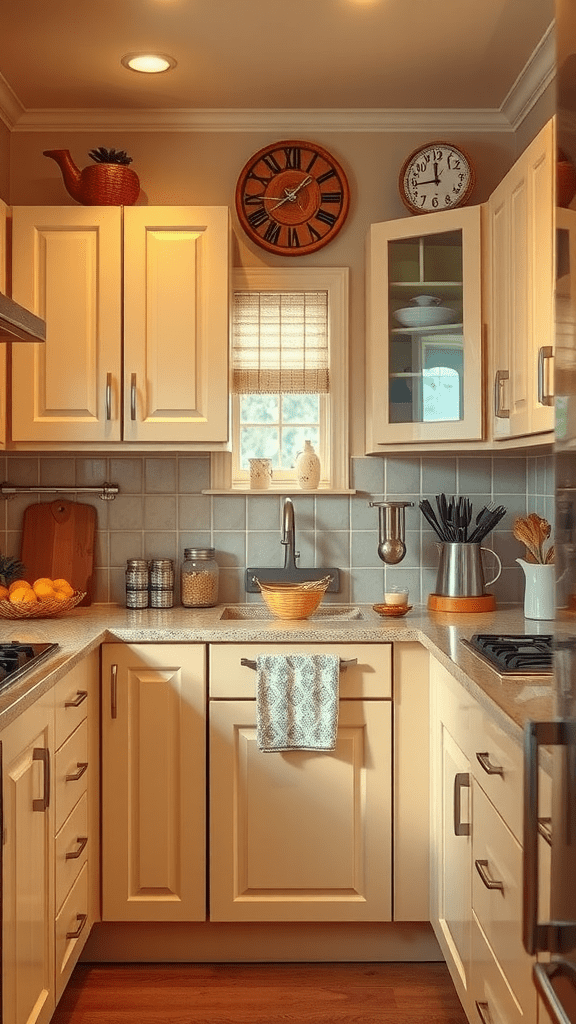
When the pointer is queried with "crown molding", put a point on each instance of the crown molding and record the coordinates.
(534, 78)
(536, 75)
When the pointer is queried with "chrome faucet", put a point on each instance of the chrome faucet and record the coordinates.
(289, 534)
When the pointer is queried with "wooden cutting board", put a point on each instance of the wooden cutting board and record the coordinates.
(58, 542)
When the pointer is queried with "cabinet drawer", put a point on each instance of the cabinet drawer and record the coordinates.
(370, 677)
(491, 1000)
(454, 706)
(71, 773)
(71, 698)
(499, 910)
(497, 763)
(71, 849)
(71, 931)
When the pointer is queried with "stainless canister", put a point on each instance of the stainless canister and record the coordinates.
(137, 582)
(460, 571)
(161, 583)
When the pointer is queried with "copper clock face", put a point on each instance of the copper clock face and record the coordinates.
(438, 176)
(292, 198)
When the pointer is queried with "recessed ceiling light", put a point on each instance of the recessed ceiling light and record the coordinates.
(148, 63)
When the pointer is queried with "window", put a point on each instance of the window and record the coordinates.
(289, 371)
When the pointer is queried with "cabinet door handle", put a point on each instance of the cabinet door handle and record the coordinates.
(499, 411)
(484, 1012)
(78, 700)
(81, 918)
(489, 882)
(82, 842)
(114, 691)
(74, 776)
(133, 397)
(544, 975)
(108, 400)
(43, 754)
(544, 353)
(489, 768)
(461, 781)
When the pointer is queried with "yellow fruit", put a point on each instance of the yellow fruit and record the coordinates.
(64, 587)
(4, 592)
(42, 579)
(18, 584)
(23, 595)
(43, 589)
(61, 595)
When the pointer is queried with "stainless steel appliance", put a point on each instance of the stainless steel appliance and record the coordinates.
(18, 657)
(513, 654)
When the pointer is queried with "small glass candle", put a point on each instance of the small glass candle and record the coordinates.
(396, 595)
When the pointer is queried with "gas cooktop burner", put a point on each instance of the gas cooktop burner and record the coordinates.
(16, 658)
(514, 655)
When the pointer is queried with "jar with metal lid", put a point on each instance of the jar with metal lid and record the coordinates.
(199, 578)
(137, 581)
(161, 583)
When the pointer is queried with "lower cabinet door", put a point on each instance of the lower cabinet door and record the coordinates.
(301, 835)
(153, 782)
(72, 927)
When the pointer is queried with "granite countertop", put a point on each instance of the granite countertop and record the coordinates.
(84, 629)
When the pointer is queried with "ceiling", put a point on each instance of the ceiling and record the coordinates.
(263, 54)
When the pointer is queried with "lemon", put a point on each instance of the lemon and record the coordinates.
(43, 589)
(4, 592)
(22, 595)
(18, 584)
(64, 587)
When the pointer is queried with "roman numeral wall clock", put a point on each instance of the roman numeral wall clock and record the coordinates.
(292, 198)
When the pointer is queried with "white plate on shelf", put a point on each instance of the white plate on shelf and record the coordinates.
(426, 316)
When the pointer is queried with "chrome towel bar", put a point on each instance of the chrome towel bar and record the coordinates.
(344, 663)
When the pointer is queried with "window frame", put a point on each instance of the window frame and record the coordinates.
(333, 407)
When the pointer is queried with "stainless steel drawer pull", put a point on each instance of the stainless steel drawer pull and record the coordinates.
(545, 829)
(82, 767)
(489, 768)
(108, 396)
(43, 754)
(81, 918)
(81, 696)
(82, 842)
(114, 691)
(133, 396)
(461, 781)
(484, 1012)
(344, 663)
(499, 411)
(490, 883)
(544, 396)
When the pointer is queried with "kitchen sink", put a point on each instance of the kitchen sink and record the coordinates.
(334, 613)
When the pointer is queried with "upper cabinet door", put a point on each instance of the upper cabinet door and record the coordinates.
(424, 367)
(3, 348)
(67, 269)
(176, 282)
(520, 269)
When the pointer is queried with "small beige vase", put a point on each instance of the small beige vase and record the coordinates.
(308, 468)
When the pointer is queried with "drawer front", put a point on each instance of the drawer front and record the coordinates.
(491, 999)
(499, 910)
(71, 775)
(71, 931)
(71, 696)
(71, 850)
(454, 706)
(497, 763)
(370, 677)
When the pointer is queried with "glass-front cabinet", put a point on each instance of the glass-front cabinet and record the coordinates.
(424, 365)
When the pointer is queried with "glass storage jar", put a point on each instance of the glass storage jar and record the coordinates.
(199, 578)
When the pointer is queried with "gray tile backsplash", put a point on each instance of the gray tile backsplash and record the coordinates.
(160, 510)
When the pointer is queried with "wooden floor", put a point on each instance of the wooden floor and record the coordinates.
(372, 993)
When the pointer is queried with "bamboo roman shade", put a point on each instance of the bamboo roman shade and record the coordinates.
(280, 342)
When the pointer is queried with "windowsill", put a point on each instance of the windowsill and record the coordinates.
(287, 489)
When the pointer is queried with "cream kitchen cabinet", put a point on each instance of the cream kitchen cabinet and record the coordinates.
(476, 855)
(48, 818)
(153, 782)
(301, 836)
(520, 279)
(424, 379)
(136, 304)
(3, 347)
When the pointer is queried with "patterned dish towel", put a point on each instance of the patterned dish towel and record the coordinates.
(297, 701)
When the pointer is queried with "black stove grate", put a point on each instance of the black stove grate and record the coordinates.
(527, 654)
(17, 657)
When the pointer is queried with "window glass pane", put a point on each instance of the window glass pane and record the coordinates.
(293, 443)
(259, 409)
(258, 443)
(300, 408)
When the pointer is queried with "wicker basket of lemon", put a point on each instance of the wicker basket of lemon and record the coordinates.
(42, 599)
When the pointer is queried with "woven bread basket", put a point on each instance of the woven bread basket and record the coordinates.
(293, 600)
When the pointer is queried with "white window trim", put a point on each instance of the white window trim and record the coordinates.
(334, 280)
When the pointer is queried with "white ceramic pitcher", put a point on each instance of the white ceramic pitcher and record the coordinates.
(539, 591)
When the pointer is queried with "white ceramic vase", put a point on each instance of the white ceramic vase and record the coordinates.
(539, 593)
(308, 468)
